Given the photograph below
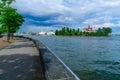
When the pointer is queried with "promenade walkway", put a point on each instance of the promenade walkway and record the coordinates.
(20, 61)
(3, 43)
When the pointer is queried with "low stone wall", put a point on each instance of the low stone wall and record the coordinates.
(53, 67)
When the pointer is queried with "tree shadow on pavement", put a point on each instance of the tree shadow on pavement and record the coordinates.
(21, 67)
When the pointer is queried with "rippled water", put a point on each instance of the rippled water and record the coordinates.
(91, 58)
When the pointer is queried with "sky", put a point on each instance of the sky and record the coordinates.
(46, 15)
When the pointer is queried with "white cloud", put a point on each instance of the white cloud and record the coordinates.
(79, 7)
(83, 12)
(64, 19)
(112, 25)
(98, 20)
(104, 25)
(60, 19)
(112, 3)
(40, 7)
(34, 28)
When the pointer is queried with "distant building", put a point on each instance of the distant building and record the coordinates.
(88, 29)
(42, 33)
(50, 33)
(46, 33)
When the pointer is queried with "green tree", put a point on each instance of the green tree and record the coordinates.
(103, 31)
(17, 21)
(56, 32)
(9, 17)
(76, 32)
(106, 30)
(2, 29)
(99, 32)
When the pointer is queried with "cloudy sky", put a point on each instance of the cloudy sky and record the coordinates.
(46, 15)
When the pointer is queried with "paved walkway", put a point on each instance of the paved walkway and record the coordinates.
(3, 43)
(20, 61)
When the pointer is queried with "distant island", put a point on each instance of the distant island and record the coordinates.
(66, 31)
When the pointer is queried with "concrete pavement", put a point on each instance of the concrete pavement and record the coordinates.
(20, 61)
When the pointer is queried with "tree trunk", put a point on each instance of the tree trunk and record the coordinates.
(12, 35)
(8, 33)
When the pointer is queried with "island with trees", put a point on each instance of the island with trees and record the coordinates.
(66, 31)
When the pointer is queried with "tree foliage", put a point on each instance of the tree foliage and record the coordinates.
(65, 31)
(2, 29)
(9, 18)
